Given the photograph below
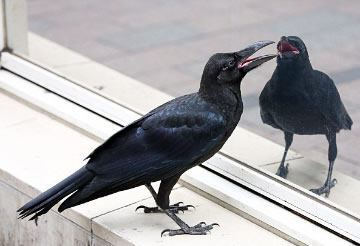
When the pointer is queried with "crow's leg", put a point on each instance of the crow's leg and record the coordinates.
(199, 229)
(332, 153)
(284, 169)
(163, 202)
(175, 207)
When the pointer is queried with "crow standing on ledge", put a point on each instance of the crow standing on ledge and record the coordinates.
(163, 144)
(300, 100)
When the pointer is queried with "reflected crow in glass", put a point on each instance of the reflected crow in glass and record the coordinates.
(163, 144)
(300, 100)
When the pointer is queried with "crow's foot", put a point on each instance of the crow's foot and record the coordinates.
(325, 189)
(175, 208)
(283, 170)
(199, 229)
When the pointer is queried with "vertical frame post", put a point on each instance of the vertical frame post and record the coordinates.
(14, 26)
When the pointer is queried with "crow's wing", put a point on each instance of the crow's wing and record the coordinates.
(326, 98)
(159, 145)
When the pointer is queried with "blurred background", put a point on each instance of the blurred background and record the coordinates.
(166, 43)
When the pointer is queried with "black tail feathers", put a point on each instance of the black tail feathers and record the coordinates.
(349, 122)
(45, 201)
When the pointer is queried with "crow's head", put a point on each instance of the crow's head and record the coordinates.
(230, 68)
(291, 50)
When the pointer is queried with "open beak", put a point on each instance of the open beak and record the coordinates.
(246, 64)
(285, 49)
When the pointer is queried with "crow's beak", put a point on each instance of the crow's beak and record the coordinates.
(285, 49)
(246, 64)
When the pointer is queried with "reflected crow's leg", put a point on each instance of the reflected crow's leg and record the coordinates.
(175, 207)
(283, 170)
(332, 153)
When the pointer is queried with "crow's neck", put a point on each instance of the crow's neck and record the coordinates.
(287, 72)
(227, 97)
(219, 92)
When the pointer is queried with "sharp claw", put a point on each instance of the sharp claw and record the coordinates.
(215, 224)
(200, 225)
(190, 206)
(141, 206)
(199, 229)
(165, 231)
(177, 204)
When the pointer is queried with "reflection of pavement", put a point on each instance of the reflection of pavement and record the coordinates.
(166, 43)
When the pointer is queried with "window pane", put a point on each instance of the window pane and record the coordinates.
(166, 44)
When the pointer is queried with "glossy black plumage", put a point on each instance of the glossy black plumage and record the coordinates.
(164, 143)
(300, 100)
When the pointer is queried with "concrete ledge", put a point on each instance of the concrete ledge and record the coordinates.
(36, 154)
(69, 228)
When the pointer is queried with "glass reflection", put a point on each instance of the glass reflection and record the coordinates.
(165, 44)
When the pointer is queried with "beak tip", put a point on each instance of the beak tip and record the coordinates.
(267, 42)
(248, 51)
(261, 44)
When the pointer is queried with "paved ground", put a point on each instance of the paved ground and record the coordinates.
(165, 43)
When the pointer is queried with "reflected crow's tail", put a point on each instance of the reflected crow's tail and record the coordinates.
(348, 122)
(45, 201)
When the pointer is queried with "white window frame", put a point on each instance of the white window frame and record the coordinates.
(104, 111)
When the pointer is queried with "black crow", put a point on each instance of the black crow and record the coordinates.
(162, 144)
(300, 100)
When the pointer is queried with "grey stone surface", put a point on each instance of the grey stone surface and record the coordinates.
(150, 36)
(166, 43)
(52, 230)
(347, 75)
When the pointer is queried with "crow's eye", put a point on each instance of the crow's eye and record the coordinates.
(230, 64)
